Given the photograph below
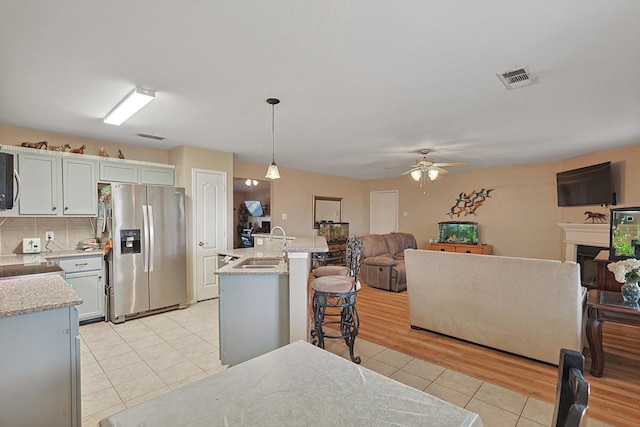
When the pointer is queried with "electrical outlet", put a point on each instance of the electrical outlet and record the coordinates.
(49, 235)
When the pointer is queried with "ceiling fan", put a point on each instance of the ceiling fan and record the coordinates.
(427, 167)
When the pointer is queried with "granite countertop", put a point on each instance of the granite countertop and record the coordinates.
(27, 259)
(73, 253)
(266, 248)
(295, 385)
(32, 294)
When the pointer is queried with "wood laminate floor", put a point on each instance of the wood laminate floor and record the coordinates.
(615, 397)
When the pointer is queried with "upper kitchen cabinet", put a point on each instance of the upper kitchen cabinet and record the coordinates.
(57, 186)
(136, 173)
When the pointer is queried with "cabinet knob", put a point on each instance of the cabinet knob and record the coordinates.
(66, 208)
(53, 208)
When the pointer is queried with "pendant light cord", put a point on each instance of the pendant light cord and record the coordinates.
(273, 133)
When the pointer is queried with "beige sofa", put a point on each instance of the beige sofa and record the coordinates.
(383, 260)
(530, 307)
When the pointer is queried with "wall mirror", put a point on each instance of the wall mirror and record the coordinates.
(326, 209)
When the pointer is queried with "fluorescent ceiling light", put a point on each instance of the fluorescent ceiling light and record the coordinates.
(130, 105)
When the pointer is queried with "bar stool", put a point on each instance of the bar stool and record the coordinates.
(334, 302)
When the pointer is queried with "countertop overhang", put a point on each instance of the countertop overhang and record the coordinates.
(25, 295)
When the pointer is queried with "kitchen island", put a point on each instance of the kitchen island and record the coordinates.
(296, 385)
(263, 307)
(40, 352)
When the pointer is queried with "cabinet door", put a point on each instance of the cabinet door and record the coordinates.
(39, 369)
(157, 175)
(79, 187)
(118, 172)
(40, 193)
(90, 287)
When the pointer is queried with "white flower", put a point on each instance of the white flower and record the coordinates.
(625, 270)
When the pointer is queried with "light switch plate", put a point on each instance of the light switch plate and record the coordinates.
(31, 245)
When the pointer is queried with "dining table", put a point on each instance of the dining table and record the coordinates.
(295, 385)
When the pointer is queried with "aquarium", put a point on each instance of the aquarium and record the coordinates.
(334, 231)
(461, 232)
(624, 236)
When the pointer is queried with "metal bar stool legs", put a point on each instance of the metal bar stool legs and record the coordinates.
(336, 309)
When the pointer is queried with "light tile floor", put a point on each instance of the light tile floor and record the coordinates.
(126, 364)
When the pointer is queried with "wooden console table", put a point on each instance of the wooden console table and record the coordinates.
(468, 249)
(606, 306)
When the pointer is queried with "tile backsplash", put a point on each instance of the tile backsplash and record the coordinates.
(67, 232)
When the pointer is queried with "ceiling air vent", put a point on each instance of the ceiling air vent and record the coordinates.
(146, 135)
(513, 79)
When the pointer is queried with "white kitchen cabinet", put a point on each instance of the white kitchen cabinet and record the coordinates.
(118, 172)
(157, 175)
(40, 369)
(54, 186)
(85, 274)
(113, 171)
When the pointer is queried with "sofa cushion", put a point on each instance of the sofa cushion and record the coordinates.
(373, 245)
(382, 260)
(398, 242)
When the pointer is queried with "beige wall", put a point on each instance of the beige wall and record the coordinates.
(293, 193)
(11, 135)
(521, 216)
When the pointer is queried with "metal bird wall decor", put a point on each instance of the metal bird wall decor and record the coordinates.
(468, 203)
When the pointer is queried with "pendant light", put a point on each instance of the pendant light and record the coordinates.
(272, 170)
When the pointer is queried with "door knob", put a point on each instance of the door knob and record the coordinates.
(203, 244)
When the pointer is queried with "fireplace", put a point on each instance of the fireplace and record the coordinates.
(585, 256)
(582, 243)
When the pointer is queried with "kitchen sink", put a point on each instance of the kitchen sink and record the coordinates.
(259, 263)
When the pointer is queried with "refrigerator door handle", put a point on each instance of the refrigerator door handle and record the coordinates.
(145, 222)
(152, 237)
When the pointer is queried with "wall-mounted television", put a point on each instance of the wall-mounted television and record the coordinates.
(254, 207)
(591, 185)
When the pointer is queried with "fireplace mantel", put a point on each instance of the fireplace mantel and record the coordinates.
(583, 234)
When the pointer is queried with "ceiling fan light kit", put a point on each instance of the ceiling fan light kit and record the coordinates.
(272, 170)
(428, 168)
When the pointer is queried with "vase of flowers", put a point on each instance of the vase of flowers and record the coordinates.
(626, 272)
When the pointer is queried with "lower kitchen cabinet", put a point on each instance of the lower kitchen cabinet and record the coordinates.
(40, 369)
(85, 274)
(266, 298)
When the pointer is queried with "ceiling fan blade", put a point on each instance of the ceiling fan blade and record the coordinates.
(409, 171)
(441, 171)
(451, 164)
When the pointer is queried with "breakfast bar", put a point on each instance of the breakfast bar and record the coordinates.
(295, 385)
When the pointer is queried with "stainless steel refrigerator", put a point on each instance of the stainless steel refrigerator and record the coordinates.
(147, 264)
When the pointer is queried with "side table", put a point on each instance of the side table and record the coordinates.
(606, 306)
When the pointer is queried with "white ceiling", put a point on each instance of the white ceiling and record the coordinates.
(364, 85)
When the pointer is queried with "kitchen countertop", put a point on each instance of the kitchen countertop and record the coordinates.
(27, 259)
(295, 385)
(32, 294)
(272, 249)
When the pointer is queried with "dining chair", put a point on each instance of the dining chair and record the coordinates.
(572, 391)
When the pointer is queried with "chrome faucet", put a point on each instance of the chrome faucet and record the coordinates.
(284, 235)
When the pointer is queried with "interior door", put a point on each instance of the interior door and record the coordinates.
(383, 212)
(210, 236)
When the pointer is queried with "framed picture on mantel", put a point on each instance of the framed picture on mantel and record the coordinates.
(624, 235)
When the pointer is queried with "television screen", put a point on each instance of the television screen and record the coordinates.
(591, 185)
(254, 207)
